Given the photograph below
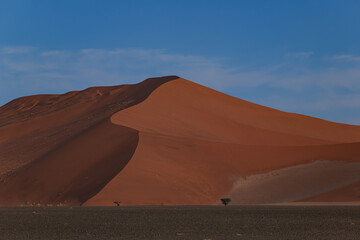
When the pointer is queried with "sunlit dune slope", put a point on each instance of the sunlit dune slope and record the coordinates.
(196, 144)
(183, 108)
(170, 141)
(174, 170)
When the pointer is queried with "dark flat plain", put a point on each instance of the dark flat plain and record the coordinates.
(181, 222)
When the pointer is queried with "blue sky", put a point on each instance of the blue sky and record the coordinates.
(297, 56)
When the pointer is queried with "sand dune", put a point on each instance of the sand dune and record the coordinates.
(290, 184)
(194, 111)
(52, 150)
(170, 141)
(100, 154)
(26, 135)
(173, 170)
(349, 193)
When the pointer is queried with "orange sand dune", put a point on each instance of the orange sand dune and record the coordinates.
(42, 138)
(183, 108)
(27, 134)
(169, 141)
(174, 170)
(350, 193)
(76, 170)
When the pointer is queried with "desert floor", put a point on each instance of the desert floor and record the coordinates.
(181, 222)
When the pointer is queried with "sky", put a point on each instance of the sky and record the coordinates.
(296, 56)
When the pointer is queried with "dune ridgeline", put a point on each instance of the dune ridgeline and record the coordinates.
(169, 141)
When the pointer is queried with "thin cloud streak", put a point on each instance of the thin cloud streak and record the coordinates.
(57, 71)
(347, 57)
(16, 50)
(302, 54)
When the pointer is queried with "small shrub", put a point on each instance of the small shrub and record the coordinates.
(225, 201)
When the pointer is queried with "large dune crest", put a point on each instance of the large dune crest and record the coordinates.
(183, 108)
(170, 141)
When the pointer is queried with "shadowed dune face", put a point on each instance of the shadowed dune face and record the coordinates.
(28, 133)
(63, 147)
(75, 171)
(169, 141)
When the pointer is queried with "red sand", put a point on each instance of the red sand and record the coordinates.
(165, 141)
(350, 193)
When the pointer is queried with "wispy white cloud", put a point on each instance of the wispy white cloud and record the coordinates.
(302, 54)
(322, 103)
(16, 50)
(347, 57)
(56, 71)
(334, 107)
(55, 53)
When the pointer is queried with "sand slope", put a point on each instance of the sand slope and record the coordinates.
(173, 170)
(34, 125)
(57, 148)
(75, 171)
(170, 141)
(196, 146)
(183, 108)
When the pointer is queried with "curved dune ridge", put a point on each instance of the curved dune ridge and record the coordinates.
(170, 141)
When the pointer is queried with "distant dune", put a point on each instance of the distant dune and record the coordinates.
(173, 142)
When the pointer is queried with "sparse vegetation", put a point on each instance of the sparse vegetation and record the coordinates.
(225, 201)
(39, 204)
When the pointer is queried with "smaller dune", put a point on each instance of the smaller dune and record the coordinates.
(346, 194)
(294, 183)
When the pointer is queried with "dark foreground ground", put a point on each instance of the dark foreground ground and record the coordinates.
(195, 222)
